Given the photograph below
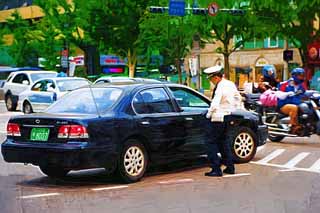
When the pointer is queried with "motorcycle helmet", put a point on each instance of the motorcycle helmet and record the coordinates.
(269, 71)
(297, 75)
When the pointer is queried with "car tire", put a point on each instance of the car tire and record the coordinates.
(27, 108)
(54, 172)
(10, 103)
(276, 138)
(133, 161)
(243, 144)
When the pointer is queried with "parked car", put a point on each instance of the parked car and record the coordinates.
(120, 79)
(5, 72)
(20, 81)
(46, 91)
(124, 127)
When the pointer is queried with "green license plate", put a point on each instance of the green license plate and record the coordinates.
(39, 134)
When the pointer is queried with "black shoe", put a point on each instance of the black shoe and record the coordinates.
(229, 170)
(213, 173)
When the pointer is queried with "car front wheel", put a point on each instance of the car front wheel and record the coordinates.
(54, 172)
(27, 108)
(243, 142)
(133, 161)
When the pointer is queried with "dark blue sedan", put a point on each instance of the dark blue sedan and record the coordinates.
(124, 127)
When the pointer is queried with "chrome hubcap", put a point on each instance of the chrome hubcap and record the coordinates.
(27, 109)
(243, 145)
(134, 161)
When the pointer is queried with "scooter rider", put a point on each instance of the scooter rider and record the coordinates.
(268, 81)
(289, 106)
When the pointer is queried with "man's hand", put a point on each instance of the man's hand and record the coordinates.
(291, 93)
(208, 115)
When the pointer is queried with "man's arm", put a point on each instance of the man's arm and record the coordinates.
(215, 103)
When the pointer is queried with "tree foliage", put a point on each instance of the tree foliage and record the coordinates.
(172, 36)
(225, 26)
(292, 19)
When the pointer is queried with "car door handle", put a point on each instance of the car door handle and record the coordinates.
(189, 119)
(145, 122)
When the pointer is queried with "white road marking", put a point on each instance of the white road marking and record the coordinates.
(287, 170)
(237, 175)
(316, 166)
(176, 181)
(39, 195)
(260, 148)
(271, 156)
(294, 161)
(110, 188)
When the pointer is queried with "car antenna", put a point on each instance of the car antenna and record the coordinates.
(94, 100)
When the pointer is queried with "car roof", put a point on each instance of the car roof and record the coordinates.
(33, 71)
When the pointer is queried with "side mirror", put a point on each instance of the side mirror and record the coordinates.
(25, 82)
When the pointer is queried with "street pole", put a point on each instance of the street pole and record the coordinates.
(285, 65)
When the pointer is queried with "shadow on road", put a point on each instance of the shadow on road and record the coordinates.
(96, 177)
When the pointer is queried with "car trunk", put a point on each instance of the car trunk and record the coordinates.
(44, 128)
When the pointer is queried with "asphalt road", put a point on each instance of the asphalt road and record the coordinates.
(283, 177)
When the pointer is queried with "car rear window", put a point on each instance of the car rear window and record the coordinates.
(71, 84)
(37, 76)
(81, 101)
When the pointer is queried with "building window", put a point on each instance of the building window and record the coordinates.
(273, 42)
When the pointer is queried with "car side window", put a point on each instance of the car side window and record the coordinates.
(20, 78)
(186, 98)
(152, 101)
(37, 86)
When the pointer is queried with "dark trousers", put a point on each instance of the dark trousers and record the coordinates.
(216, 142)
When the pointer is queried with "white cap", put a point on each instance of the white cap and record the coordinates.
(213, 70)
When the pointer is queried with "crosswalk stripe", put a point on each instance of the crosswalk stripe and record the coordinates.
(294, 161)
(271, 156)
(315, 166)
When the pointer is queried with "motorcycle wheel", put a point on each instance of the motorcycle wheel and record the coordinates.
(276, 138)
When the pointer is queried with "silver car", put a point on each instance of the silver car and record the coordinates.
(46, 91)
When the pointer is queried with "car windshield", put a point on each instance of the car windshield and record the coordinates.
(71, 84)
(36, 76)
(81, 102)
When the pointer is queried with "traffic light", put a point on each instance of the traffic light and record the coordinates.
(200, 11)
(158, 9)
(237, 12)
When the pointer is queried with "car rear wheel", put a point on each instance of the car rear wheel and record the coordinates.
(10, 103)
(27, 108)
(54, 172)
(133, 161)
(243, 142)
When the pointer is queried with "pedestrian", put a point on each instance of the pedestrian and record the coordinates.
(225, 99)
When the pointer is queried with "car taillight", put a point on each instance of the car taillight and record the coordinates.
(73, 131)
(13, 129)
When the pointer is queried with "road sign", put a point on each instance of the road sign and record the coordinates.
(177, 8)
(213, 9)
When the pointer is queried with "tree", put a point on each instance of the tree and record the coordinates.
(24, 48)
(226, 25)
(291, 19)
(171, 35)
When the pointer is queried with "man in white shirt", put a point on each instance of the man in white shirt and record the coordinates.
(225, 99)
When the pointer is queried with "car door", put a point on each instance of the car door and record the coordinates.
(193, 110)
(42, 95)
(156, 119)
(20, 83)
